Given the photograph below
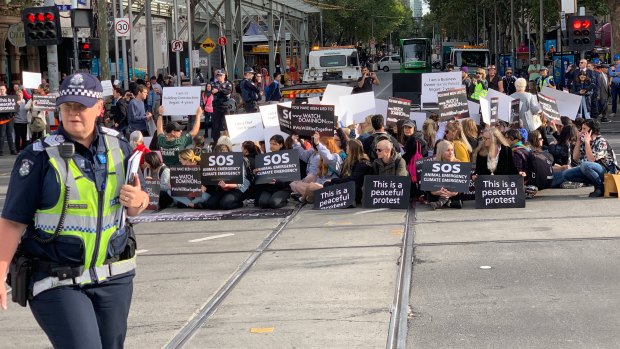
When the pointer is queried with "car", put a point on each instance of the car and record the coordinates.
(389, 62)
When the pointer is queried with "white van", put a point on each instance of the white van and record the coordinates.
(389, 62)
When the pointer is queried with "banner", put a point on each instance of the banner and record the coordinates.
(284, 118)
(282, 166)
(549, 107)
(437, 82)
(309, 118)
(453, 104)
(398, 109)
(8, 104)
(185, 180)
(386, 191)
(500, 192)
(43, 103)
(245, 127)
(335, 196)
(227, 167)
(152, 188)
(454, 176)
(181, 100)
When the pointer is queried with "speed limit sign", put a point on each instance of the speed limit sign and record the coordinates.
(121, 27)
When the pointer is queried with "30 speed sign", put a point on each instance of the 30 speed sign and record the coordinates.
(121, 27)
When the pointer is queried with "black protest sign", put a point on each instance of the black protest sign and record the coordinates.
(227, 167)
(453, 176)
(284, 118)
(309, 118)
(514, 110)
(8, 104)
(398, 109)
(282, 166)
(152, 188)
(419, 165)
(335, 196)
(386, 191)
(494, 110)
(44, 103)
(500, 192)
(453, 104)
(185, 180)
(549, 107)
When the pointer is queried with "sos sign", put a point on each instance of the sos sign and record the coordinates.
(453, 176)
(227, 167)
(281, 166)
(221, 160)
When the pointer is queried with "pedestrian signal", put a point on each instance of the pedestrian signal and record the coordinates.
(42, 26)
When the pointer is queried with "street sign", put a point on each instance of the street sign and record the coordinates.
(195, 59)
(563, 21)
(121, 27)
(204, 62)
(177, 45)
(222, 41)
(208, 45)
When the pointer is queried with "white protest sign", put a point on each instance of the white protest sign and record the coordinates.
(419, 118)
(31, 80)
(332, 95)
(269, 114)
(503, 104)
(244, 127)
(356, 107)
(442, 130)
(314, 100)
(485, 110)
(381, 106)
(107, 88)
(568, 103)
(181, 100)
(436, 82)
(474, 111)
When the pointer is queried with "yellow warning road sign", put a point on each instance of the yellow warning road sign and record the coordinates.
(208, 45)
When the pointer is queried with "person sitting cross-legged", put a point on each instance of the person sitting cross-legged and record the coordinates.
(444, 197)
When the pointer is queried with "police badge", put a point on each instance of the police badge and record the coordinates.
(26, 167)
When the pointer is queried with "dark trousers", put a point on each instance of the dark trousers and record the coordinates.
(615, 95)
(85, 317)
(21, 135)
(6, 132)
(277, 199)
(225, 200)
(218, 122)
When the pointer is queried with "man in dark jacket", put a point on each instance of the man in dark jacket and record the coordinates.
(249, 92)
(378, 125)
(388, 161)
(221, 95)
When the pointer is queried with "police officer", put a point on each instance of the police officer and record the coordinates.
(614, 75)
(250, 93)
(221, 90)
(62, 220)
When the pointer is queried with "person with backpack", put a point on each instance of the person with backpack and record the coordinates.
(155, 169)
(272, 91)
(522, 157)
(388, 161)
(370, 143)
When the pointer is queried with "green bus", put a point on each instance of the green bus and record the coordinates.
(415, 55)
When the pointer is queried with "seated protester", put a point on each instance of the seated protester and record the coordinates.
(227, 196)
(198, 145)
(324, 163)
(470, 130)
(563, 149)
(536, 148)
(276, 193)
(364, 129)
(250, 150)
(175, 140)
(341, 138)
(429, 132)
(188, 158)
(493, 155)
(462, 148)
(355, 167)
(154, 169)
(136, 140)
(594, 158)
(519, 150)
(388, 161)
(443, 197)
(379, 133)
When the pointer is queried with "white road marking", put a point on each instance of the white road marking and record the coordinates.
(211, 237)
(141, 251)
(385, 88)
(369, 211)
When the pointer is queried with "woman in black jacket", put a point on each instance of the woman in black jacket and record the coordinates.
(585, 88)
(493, 157)
(276, 193)
(355, 167)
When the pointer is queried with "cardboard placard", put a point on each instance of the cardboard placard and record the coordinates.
(549, 107)
(453, 104)
(181, 100)
(8, 104)
(494, 110)
(31, 80)
(355, 108)
(284, 117)
(108, 90)
(514, 111)
(398, 109)
(44, 103)
(152, 188)
(282, 166)
(244, 127)
(185, 180)
(386, 191)
(474, 111)
(227, 167)
(500, 192)
(437, 82)
(309, 118)
(335, 196)
(332, 95)
(271, 124)
(485, 110)
(568, 103)
(454, 176)
(503, 104)
(419, 166)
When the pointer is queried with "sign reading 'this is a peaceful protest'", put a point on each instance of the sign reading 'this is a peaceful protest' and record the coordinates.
(500, 192)
(386, 191)
(335, 196)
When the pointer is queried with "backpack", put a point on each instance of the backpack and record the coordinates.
(38, 123)
(372, 154)
(540, 172)
(412, 165)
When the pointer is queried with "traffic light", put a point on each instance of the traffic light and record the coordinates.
(42, 26)
(581, 32)
(84, 54)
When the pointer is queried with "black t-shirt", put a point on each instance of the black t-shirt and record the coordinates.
(367, 87)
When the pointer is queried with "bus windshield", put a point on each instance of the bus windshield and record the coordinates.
(472, 58)
(333, 61)
(413, 52)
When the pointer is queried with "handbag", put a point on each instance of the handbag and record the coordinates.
(412, 166)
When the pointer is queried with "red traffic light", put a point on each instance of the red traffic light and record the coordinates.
(49, 16)
(577, 24)
(85, 46)
(585, 24)
(40, 17)
(31, 18)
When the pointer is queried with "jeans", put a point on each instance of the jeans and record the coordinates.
(587, 172)
(186, 200)
(558, 179)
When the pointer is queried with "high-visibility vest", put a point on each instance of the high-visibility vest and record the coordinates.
(479, 92)
(91, 214)
(542, 82)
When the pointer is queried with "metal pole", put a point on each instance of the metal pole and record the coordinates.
(230, 54)
(270, 41)
(175, 22)
(321, 20)
(116, 63)
(190, 42)
(133, 54)
(512, 35)
(124, 51)
(477, 26)
(150, 52)
(53, 75)
(76, 62)
(541, 43)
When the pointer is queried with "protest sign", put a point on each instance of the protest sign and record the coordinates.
(309, 118)
(398, 109)
(43, 103)
(227, 167)
(185, 180)
(494, 110)
(474, 111)
(332, 95)
(335, 196)
(107, 88)
(271, 124)
(453, 104)
(181, 100)
(419, 166)
(485, 110)
(454, 176)
(33, 80)
(244, 127)
(503, 104)
(282, 166)
(437, 82)
(418, 118)
(8, 104)
(381, 106)
(314, 100)
(514, 111)
(549, 107)
(500, 192)
(386, 191)
(355, 108)
(152, 188)
(568, 103)
(284, 118)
